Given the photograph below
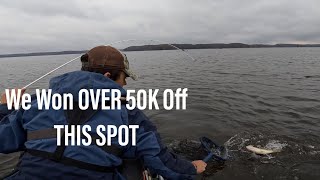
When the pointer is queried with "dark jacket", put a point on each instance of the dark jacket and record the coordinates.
(15, 125)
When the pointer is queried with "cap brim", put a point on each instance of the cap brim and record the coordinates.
(131, 74)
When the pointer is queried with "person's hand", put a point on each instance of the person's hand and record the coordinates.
(4, 98)
(199, 165)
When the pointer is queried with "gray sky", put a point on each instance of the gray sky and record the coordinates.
(43, 25)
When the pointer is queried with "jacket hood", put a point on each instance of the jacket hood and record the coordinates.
(73, 82)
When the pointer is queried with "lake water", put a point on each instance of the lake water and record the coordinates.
(268, 97)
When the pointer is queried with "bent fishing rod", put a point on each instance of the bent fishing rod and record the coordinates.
(116, 42)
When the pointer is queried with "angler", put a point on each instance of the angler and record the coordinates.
(103, 67)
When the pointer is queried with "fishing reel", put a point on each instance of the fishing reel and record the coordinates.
(147, 175)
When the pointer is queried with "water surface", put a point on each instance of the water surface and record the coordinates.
(268, 97)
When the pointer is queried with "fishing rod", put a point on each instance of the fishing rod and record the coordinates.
(128, 40)
(48, 73)
(116, 42)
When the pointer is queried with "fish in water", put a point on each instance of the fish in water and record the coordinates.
(259, 150)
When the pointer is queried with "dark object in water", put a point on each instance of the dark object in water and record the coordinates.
(312, 76)
(193, 150)
(215, 151)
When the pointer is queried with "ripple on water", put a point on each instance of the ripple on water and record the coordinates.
(303, 99)
(230, 91)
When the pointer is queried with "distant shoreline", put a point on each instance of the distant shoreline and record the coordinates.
(168, 47)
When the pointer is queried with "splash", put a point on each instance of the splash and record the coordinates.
(275, 145)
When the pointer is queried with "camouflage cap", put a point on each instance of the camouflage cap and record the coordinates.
(107, 57)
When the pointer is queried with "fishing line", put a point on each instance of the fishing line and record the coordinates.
(116, 42)
(48, 73)
(128, 40)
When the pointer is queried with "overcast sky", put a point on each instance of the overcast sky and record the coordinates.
(44, 25)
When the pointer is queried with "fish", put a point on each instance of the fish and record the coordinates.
(259, 150)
